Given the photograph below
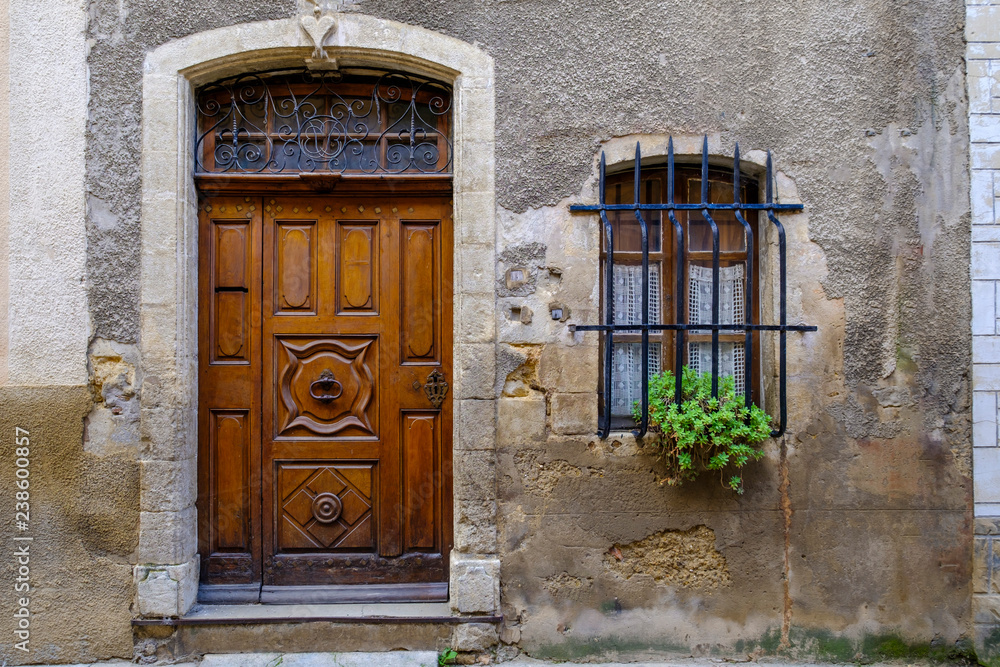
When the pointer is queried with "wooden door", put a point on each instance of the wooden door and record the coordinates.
(344, 472)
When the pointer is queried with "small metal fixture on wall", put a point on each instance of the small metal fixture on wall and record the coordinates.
(681, 326)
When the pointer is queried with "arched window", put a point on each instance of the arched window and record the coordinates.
(679, 281)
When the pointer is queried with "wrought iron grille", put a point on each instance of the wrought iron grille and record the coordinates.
(612, 324)
(307, 121)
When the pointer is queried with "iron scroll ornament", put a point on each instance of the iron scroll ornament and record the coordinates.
(436, 388)
(322, 122)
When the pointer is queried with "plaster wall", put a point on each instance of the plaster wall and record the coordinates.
(48, 321)
(4, 184)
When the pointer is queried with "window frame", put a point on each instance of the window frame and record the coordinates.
(609, 328)
(619, 189)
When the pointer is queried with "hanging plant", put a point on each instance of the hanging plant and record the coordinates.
(704, 433)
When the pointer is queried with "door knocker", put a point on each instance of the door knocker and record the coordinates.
(331, 388)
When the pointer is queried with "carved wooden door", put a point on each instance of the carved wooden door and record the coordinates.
(329, 319)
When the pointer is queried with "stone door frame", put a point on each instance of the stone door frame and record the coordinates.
(166, 574)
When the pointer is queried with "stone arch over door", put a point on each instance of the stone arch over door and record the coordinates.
(166, 575)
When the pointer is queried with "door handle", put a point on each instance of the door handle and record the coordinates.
(326, 384)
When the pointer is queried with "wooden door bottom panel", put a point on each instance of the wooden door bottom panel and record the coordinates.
(425, 592)
(229, 569)
(357, 568)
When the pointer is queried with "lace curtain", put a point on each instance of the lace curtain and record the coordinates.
(732, 310)
(626, 374)
(627, 357)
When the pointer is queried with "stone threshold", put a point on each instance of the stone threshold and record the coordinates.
(416, 612)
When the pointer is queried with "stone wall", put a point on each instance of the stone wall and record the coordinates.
(983, 54)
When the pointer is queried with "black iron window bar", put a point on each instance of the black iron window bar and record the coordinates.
(644, 327)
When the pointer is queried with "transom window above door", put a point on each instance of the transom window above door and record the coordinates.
(302, 121)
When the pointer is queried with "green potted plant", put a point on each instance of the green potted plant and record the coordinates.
(704, 433)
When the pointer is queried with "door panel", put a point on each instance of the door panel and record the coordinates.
(326, 387)
(231, 474)
(294, 262)
(230, 253)
(420, 271)
(229, 390)
(358, 274)
(421, 451)
(326, 506)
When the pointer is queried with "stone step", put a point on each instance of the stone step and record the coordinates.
(380, 659)
(390, 629)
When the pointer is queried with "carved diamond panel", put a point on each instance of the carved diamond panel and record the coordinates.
(326, 387)
(325, 506)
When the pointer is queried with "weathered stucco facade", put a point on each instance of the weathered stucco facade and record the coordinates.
(855, 537)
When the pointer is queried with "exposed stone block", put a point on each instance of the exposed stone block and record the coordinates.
(167, 537)
(475, 217)
(982, 198)
(474, 636)
(987, 526)
(165, 435)
(475, 584)
(981, 565)
(476, 425)
(987, 643)
(983, 310)
(982, 23)
(475, 475)
(477, 166)
(986, 469)
(475, 371)
(168, 485)
(520, 421)
(168, 590)
(574, 413)
(475, 526)
(986, 608)
(986, 260)
(565, 368)
(476, 323)
(476, 263)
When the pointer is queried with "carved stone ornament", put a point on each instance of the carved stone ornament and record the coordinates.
(318, 22)
(436, 388)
